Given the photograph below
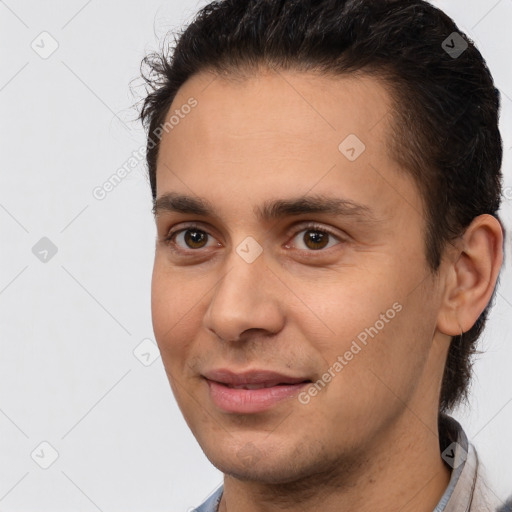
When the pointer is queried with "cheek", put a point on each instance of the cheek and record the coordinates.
(337, 308)
(379, 327)
(385, 362)
(175, 310)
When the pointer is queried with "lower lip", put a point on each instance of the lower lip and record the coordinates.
(250, 400)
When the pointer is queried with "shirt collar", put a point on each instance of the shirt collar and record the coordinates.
(468, 489)
(453, 444)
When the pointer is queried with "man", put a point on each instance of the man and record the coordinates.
(326, 182)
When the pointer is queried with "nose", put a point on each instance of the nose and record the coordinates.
(245, 298)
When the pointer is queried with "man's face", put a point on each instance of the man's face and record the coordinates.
(350, 287)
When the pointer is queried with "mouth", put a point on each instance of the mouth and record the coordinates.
(253, 391)
(261, 386)
(255, 377)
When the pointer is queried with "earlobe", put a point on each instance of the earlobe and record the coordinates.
(471, 276)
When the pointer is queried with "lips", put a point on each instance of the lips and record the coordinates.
(254, 379)
(255, 386)
(251, 392)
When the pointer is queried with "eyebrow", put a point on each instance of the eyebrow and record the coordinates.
(270, 210)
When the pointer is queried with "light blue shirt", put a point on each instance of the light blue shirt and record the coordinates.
(467, 490)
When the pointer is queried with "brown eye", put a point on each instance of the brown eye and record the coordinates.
(314, 239)
(195, 238)
(190, 238)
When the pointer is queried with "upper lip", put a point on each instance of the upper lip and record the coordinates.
(256, 376)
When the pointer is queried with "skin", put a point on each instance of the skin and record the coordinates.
(368, 440)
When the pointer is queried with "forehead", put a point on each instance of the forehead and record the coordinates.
(278, 131)
(283, 104)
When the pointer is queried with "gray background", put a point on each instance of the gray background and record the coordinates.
(73, 372)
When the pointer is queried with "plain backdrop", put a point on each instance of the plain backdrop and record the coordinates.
(83, 391)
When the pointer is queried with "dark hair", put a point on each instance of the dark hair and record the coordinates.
(444, 125)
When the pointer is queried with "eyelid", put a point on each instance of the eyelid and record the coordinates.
(188, 225)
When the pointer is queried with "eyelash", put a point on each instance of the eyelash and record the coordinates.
(168, 240)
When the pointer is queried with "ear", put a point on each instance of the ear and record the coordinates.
(471, 275)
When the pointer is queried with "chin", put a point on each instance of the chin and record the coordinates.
(271, 472)
(274, 466)
(247, 462)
